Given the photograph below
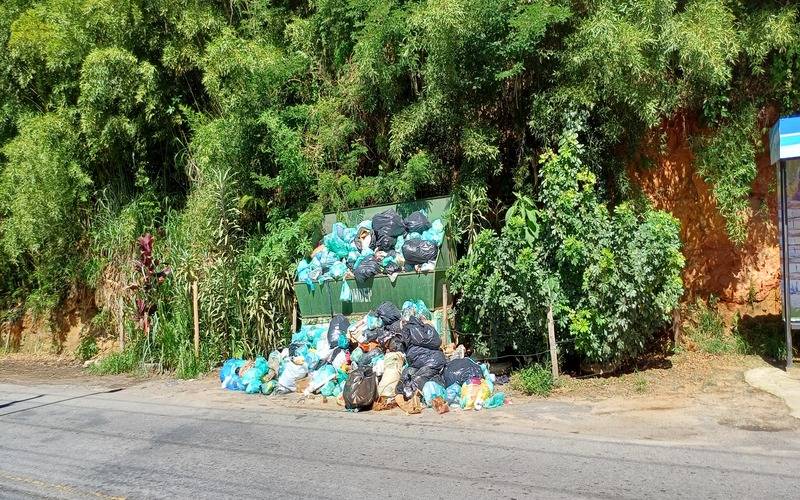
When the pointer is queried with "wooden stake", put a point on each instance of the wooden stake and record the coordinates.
(551, 339)
(120, 324)
(446, 313)
(294, 316)
(195, 310)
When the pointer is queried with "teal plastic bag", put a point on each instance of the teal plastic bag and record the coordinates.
(453, 394)
(373, 322)
(268, 387)
(343, 342)
(338, 269)
(497, 400)
(346, 294)
(432, 390)
(337, 242)
(252, 377)
(415, 308)
(435, 233)
(329, 388)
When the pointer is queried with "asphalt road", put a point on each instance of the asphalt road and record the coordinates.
(86, 442)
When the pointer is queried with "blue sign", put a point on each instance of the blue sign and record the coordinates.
(784, 139)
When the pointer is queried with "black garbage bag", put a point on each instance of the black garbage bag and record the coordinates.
(394, 344)
(338, 326)
(366, 269)
(392, 268)
(388, 312)
(413, 380)
(461, 370)
(405, 385)
(360, 389)
(374, 335)
(419, 251)
(383, 242)
(417, 223)
(417, 333)
(367, 358)
(294, 346)
(388, 223)
(426, 374)
(419, 357)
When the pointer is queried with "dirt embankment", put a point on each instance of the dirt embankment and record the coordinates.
(745, 278)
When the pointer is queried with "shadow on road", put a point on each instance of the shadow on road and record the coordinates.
(52, 402)
(10, 403)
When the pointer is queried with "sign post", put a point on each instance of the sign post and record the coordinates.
(785, 154)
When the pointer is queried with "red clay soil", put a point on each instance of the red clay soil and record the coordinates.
(714, 265)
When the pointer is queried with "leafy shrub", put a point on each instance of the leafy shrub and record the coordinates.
(87, 348)
(533, 380)
(612, 278)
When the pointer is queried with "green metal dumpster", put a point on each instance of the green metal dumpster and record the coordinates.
(324, 299)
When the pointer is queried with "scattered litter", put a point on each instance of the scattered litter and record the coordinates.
(389, 358)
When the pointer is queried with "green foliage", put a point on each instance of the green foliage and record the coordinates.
(87, 348)
(726, 161)
(127, 361)
(533, 380)
(226, 128)
(708, 331)
(612, 278)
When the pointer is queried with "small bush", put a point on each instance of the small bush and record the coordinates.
(126, 361)
(87, 348)
(535, 379)
(707, 330)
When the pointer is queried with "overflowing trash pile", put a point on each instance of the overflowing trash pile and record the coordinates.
(389, 358)
(386, 244)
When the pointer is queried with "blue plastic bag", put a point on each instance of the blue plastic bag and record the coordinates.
(453, 393)
(230, 366)
(373, 322)
(337, 241)
(432, 390)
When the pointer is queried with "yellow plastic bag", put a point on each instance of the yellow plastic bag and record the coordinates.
(473, 395)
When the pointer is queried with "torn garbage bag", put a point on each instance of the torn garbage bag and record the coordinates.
(417, 333)
(361, 388)
(459, 371)
(416, 222)
(419, 251)
(413, 380)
